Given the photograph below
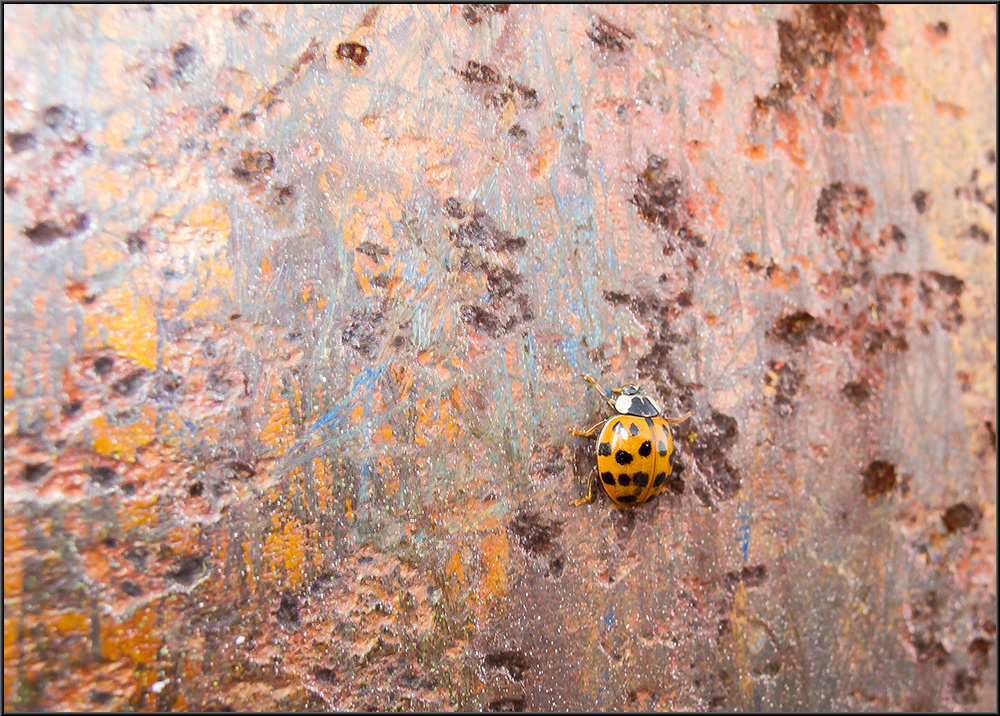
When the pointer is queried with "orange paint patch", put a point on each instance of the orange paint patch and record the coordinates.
(127, 323)
(122, 440)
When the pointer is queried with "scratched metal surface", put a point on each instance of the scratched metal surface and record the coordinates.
(293, 328)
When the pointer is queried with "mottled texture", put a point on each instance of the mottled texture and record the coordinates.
(296, 301)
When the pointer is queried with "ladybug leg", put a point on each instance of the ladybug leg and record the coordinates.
(681, 419)
(590, 491)
(604, 395)
(589, 431)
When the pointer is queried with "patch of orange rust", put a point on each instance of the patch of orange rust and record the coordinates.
(494, 550)
(135, 637)
(122, 441)
(125, 322)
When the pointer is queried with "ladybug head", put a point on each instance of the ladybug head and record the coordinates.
(635, 401)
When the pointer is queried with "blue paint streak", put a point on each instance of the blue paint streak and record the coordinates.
(744, 515)
(365, 481)
(609, 617)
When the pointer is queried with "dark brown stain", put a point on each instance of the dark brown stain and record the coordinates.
(499, 90)
(533, 531)
(921, 200)
(508, 704)
(20, 141)
(58, 117)
(481, 230)
(184, 56)
(475, 13)
(365, 331)
(284, 195)
(354, 52)
(46, 232)
(373, 251)
(135, 243)
(962, 516)
(785, 381)
(878, 479)
(841, 208)
(34, 471)
(128, 384)
(818, 33)
(977, 233)
(941, 28)
(189, 568)
(659, 196)
(515, 663)
(288, 612)
(608, 36)
(253, 166)
(857, 392)
(795, 328)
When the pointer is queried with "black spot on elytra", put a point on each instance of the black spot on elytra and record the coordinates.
(962, 515)
(253, 166)
(20, 141)
(794, 328)
(878, 478)
(474, 13)
(130, 588)
(103, 475)
(607, 478)
(659, 479)
(920, 200)
(623, 457)
(641, 479)
(515, 663)
(604, 449)
(33, 471)
(354, 52)
(607, 36)
(646, 448)
(507, 704)
(620, 430)
(533, 531)
(627, 498)
(288, 612)
(633, 429)
(624, 480)
(661, 448)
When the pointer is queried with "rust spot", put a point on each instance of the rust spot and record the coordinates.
(288, 612)
(921, 200)
(479, 73)
(962, 516)
(475, 13)
(878, 479)
(20, 141)
(509, 704)
(183, 56)
(354, 52)
(659, 196)
(533, 531)
(608, 36)
(515, 663)
(751, 576)
(253, 166)
(857, 392)
(794, 328)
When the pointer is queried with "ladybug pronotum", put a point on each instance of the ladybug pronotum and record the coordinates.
(634, 448)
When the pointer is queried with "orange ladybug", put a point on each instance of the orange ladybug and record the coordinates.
(634, 448)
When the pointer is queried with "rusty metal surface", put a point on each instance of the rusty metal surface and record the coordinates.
(295, 304)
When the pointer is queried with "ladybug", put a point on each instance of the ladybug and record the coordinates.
(634, 449)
